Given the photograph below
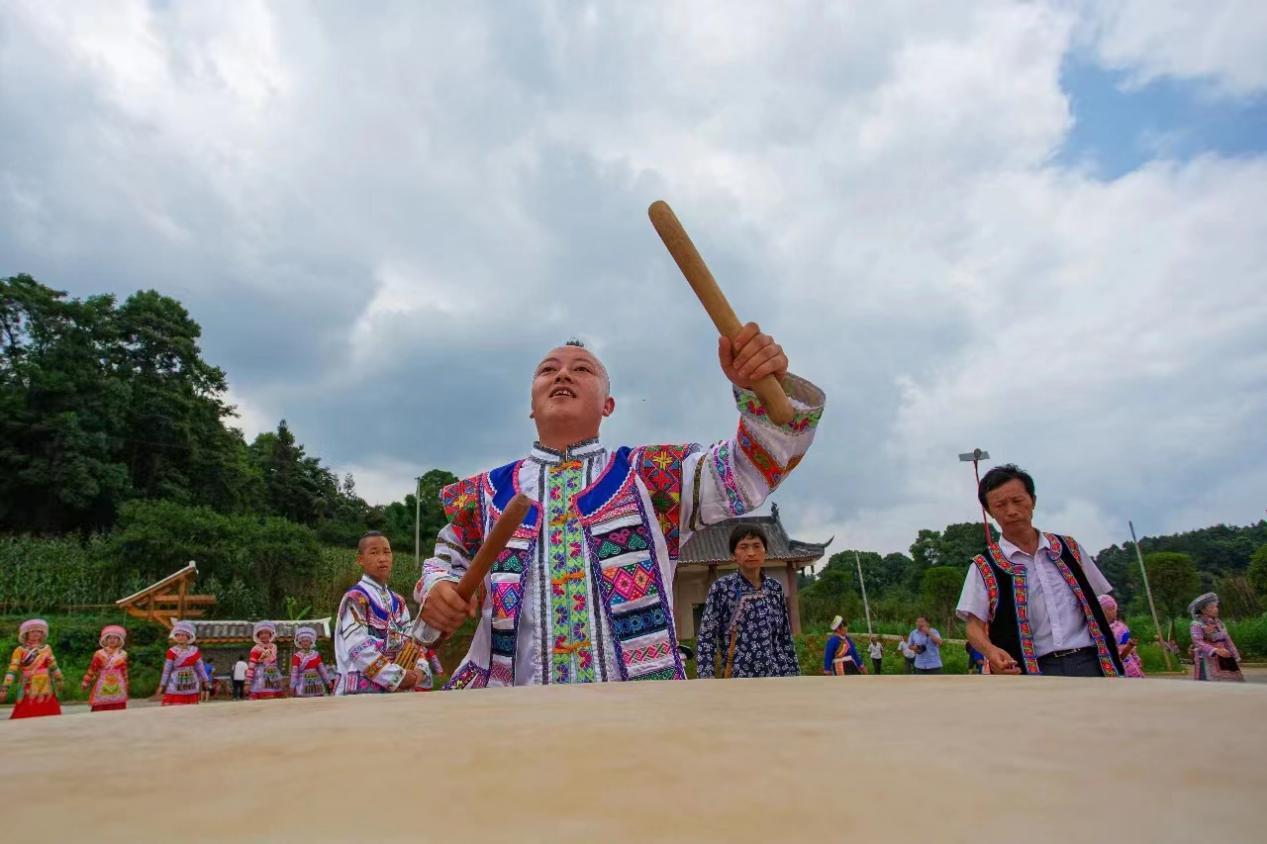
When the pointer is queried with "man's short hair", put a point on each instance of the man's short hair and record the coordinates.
(741, 532)
(577, 342)
(1000, 475)
(369, 534)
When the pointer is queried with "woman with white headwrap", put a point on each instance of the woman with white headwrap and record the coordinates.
(184, 673)
(1214, 654)
(263, 675)
(308, 675)
(34, 660)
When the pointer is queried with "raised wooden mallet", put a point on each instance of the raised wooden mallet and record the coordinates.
(494, 543)
(688, 259)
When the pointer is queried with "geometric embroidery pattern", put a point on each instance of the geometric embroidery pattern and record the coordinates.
(724, 471)
(653, 651)
(621, 541)
(759, 456)
(660, 467)
(1093, 627)
(506, 597)
(509, 561)
(571, 657)
(469, 676)
(991, 583)
(461, 503)
(1020, 596)
(630, 582)
(638, 623)
(504, 642)
(669, 673)
(500, 673)
(802, 420)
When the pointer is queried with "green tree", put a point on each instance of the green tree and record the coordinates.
(1257, 573)
(939, 593)
(1173, 579)
(61, 405)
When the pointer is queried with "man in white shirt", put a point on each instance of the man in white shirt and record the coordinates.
(239, 677)
(1031, 604)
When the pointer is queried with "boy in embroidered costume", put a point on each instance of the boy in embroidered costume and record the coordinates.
(107, 674)
(263, 675)
(745, 622)
(583, 592)
(184, 674)
(1031, 605)
(308, 676)
(41, 678)
(372, 627)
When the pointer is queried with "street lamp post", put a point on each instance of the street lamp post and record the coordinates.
(975, 457)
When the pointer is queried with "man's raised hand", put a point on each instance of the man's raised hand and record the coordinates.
(750, 356)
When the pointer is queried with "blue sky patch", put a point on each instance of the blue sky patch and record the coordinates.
(1118, 128)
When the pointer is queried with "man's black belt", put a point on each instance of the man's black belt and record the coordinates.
(1068, 652)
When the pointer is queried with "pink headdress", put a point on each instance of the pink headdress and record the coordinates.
(305, 633)
(1108, 602)
(29, 625)
(112, 630)
(186, 627)
(260, 627)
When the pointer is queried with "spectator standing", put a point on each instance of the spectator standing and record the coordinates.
(926, 642)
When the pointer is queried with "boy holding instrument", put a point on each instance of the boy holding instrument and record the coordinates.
(372, 628)
(745, 621)
(582, 591)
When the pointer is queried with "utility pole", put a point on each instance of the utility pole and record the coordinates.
(865, 606)
(975, 457)
(1148, 591)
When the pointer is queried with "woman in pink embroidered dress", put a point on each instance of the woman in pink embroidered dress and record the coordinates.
(1126, 646)
(106, 679)
(1214, 654)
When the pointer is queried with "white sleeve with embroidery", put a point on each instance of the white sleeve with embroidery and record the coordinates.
(735, 476)
(355, 650)
(449, 562)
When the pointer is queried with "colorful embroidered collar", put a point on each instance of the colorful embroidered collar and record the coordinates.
(576, 451)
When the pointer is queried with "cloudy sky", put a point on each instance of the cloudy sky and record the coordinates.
(1037, 229)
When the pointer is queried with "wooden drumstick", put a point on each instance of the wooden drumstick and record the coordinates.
(503, 529)
(498, 536)
(688, 259)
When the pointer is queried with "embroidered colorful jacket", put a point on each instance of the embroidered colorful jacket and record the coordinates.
(1009, 624)
(583, 593)
(371, 629)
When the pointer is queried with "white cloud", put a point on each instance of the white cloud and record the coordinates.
(1222, 41)
(382, 219)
